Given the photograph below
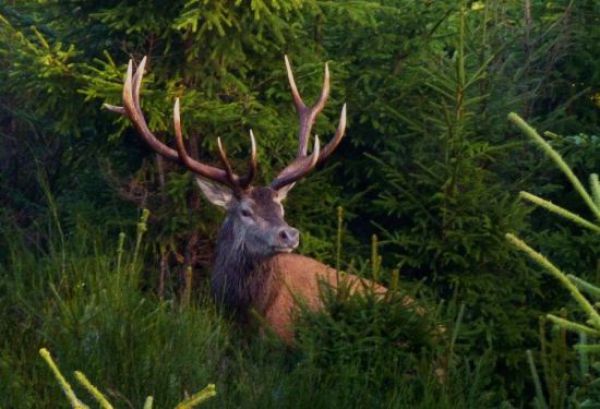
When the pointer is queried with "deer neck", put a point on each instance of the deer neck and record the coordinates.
(239, 281)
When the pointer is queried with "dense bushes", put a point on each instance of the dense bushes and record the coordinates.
(429, 164)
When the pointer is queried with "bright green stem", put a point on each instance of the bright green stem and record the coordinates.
(539, 393)
(555, 156)
(338, 242)
(198, 398)
(591, 349)
(52, 206)
(120, 251)
(375, 258)
(142, 226)
(572, 326)
(99, 396)
(187, 289)
(548, 205)
(66, 387)
(585, 286)
(149, 402)
(595, 188)
(562, 277)
(456, 328)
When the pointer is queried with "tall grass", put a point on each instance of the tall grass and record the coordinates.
(95, 318)
(84, 298)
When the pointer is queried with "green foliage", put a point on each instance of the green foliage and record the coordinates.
(429, 164)
(223, 59)
(376, 340)
(188, 403)
(85, 300)
(442, 203)
(562, 394)
(384, 337)
(85, 303)
(446, 166)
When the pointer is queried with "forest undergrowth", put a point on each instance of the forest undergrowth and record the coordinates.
(106, 248)
(84, 298)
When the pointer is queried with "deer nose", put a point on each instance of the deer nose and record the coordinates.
(289, 237)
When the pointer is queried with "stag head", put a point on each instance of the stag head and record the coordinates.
(255, 215)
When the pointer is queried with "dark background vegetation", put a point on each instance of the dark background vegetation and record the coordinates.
(430, 165)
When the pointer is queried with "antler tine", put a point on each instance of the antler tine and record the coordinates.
(337, 138)
(137, 82)
(295, 94)
(307, 115)
(136, 116)
(299, 168)
(225, 161)
(226, 177)
(115, 108)
(132, 109)
(252, 164)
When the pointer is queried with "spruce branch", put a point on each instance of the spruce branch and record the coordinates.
(558, 274)
(66, 387)
(561, 211)
(99, 396)
(208, 392)
(557, 158)
(573, 326)
(593, 349)
(589, 288)
(595, 188)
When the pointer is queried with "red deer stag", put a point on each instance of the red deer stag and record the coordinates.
(254, 267)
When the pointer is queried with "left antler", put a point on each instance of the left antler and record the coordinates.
(132, 109)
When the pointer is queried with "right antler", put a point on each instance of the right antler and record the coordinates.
(303, 164)
(131, 108)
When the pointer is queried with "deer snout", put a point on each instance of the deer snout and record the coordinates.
(288, 237)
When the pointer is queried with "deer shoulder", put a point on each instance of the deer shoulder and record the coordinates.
(300, 279)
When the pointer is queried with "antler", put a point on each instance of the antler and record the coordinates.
(303, 164)
(131, 108)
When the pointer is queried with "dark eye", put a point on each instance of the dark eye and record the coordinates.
(246, 213)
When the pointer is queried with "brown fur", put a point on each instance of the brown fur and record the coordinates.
(298, 278)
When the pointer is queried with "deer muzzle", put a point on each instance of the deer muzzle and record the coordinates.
(287, 239)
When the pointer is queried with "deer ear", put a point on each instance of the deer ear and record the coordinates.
(283, 191)
(216, 193)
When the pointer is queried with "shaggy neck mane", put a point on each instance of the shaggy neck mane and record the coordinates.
(238, 279)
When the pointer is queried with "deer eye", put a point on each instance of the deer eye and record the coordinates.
(246, 213)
